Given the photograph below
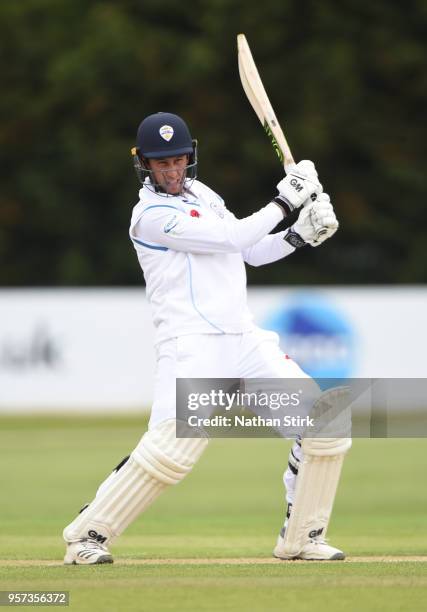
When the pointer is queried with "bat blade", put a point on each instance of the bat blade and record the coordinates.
(257, 96)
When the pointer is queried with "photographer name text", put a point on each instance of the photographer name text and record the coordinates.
(250, 421)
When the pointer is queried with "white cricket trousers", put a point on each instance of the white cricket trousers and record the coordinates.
(253, 354)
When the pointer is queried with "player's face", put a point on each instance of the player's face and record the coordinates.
(169, 172)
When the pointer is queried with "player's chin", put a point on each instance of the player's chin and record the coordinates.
(174, 188)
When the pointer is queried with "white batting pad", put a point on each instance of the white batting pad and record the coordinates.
(316, 486)
(160, 459)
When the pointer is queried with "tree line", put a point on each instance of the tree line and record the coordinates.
(347, 81)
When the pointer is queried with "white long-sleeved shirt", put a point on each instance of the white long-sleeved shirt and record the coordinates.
(192, 252)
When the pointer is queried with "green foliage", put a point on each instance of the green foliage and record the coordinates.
(348, 82)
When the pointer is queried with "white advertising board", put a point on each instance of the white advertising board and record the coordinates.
(75, 350)
(92, 350)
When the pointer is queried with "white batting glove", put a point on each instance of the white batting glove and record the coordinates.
(316, 223)
(298, 186)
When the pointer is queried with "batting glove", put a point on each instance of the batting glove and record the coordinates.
(300, 184)
(316, 223)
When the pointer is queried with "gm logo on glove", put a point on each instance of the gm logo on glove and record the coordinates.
(297, 186)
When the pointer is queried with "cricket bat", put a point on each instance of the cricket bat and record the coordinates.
(257, 96)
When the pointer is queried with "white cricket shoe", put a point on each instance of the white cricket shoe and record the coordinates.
(314, 550)
(86, 552)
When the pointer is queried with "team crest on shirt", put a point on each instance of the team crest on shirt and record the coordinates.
(166, 132)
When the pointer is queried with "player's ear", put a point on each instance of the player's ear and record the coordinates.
(145, 162)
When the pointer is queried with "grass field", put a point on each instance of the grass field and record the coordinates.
(206, 544)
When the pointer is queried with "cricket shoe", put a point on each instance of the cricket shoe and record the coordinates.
(86, 552)
(313, 550)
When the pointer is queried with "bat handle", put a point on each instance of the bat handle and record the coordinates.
(321, 230)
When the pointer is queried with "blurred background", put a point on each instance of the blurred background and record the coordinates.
(349, 85)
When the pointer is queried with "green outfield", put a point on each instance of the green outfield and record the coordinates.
(206, 544)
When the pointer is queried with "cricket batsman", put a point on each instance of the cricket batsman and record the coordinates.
(193, 252)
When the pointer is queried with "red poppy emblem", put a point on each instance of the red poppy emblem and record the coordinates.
(194, 213)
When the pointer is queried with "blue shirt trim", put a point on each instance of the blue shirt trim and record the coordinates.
(150, 246)
(159, 206)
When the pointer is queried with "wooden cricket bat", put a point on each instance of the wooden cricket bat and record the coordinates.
(257, 96)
